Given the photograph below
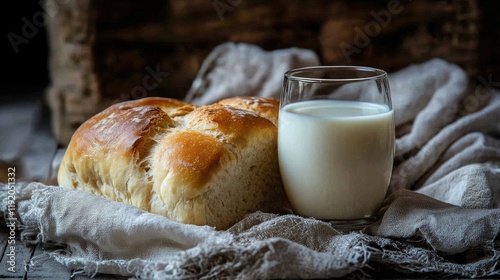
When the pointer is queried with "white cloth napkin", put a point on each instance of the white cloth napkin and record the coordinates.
(442, 208)
(233, 69)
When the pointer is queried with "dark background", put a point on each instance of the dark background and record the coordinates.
(29, 65)
(25, 72)
(28, 68)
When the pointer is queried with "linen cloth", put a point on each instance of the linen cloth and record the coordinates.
(441, 217)
(233, 69)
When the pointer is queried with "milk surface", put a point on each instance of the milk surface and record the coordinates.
(336, 157)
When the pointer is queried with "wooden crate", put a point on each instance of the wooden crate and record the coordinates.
(103, 52)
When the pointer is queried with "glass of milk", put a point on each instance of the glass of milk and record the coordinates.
(336, 142)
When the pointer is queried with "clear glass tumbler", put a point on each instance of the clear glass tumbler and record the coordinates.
(336, 142)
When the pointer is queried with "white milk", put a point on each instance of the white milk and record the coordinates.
(336, 157)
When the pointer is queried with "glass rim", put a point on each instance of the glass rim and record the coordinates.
(376, 73)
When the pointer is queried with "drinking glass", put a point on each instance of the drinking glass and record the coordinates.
(336, 142)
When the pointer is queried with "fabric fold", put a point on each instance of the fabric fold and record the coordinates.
(235, 69)
(433, 220)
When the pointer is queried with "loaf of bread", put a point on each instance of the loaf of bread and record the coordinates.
(202, 165)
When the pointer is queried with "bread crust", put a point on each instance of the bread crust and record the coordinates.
(169, 157)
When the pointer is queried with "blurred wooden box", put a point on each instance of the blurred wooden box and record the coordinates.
(103, 52)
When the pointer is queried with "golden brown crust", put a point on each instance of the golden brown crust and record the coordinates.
(163, 155)
(119, 128)
(166, 104)
(233, 124)
(192, 157)
(265, 107)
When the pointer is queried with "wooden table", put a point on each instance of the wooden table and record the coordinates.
(27, 144)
